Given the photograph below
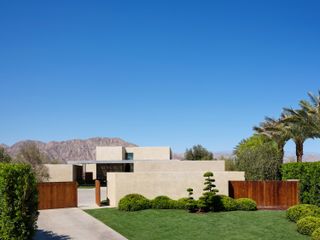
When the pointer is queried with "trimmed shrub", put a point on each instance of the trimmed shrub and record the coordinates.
(134, 202)
(18, 202)
(308, 224)
(224, 203)
(246, 204)
(309, 175)
(181, 203)
(162, 202)
(192, 205)
(299, 211)
(316, 234)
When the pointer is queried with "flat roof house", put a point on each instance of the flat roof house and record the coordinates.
(149, 171)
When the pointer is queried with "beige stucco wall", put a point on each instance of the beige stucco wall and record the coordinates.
(172, 184)
(92, 168)
(61, 172)
(149, 153)
(110, 153)
(178, 166)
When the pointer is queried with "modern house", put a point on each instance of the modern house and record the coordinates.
(149, 171)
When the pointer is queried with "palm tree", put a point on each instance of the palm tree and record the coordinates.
(298, 129)
(311, 112)
(275, 130)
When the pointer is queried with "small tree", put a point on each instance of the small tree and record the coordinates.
(30, 154)
(192, 205)
(206, 201)
(198, 152)
(4, 156)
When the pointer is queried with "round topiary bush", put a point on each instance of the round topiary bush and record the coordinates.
(224, 203)
(246, 204)
(162, 202)
(299, 211)
(316, 234)
(307, 225)
(134, 202)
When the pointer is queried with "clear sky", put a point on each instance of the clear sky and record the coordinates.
(161, 72)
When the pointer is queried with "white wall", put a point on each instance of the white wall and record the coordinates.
(171, 184)
(61, 172)
(178, 166)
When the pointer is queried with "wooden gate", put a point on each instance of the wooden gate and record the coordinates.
(98, 192)
(267, 194)
(57, 195)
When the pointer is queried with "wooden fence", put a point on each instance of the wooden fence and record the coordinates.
(57, 195)
(267, 194)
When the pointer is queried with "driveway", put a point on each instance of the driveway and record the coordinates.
(72, 223)
(86, 197)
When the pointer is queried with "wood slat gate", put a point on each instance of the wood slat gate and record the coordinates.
(57, 195)
(267, 194)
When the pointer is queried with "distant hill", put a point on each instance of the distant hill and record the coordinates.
(76, 149)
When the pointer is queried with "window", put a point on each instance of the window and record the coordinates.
(129, 156)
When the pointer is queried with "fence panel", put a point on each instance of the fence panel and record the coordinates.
(57, 195)
(267, 194)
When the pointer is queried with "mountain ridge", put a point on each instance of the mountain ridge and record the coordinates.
(73, 149)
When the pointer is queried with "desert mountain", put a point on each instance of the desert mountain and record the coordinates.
(76, 149)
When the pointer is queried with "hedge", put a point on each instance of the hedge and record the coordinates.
(246, 204)
(316, 234)
(18, 202)
(224, 203)
(308, 225)
(134, 202)
(309, 175)
(299, 211)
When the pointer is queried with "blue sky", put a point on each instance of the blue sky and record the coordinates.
(172, 73)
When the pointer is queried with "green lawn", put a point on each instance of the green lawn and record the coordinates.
(179, 224)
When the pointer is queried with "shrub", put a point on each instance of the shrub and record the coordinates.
(192, 206)
(259, 157)
(18, 202)
(309, 175)
(162, 202)
(299, 211)
(134, 202)
(224, 203)
(205, 202)
(246, 204)
(308, 224)
(316, 234)
(181, 203)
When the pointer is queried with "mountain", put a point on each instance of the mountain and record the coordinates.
(76, 149)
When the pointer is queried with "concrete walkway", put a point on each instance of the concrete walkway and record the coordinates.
(72, 223)
(86, 197)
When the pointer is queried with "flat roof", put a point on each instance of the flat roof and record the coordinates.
(99, 161)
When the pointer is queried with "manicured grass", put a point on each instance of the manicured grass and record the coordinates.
(179, 224)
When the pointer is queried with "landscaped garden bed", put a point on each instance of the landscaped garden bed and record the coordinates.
(172, 224)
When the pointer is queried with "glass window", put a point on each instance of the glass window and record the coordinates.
(129, 156)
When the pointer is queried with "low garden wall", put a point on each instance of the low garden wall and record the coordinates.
(171, 184)
(178, 166)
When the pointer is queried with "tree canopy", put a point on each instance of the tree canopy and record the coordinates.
(198, 152)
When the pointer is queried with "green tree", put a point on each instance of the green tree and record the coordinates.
(259, 157)
(276, 130)
(198, 152)
(29, 153)
(4, 156)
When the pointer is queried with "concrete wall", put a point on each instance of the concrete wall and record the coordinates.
(150, 153)
(178, 166)
(110, 153)
(172, 184)
(92, 168)
(61, 172)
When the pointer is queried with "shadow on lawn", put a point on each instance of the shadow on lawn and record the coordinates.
(49, 235)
